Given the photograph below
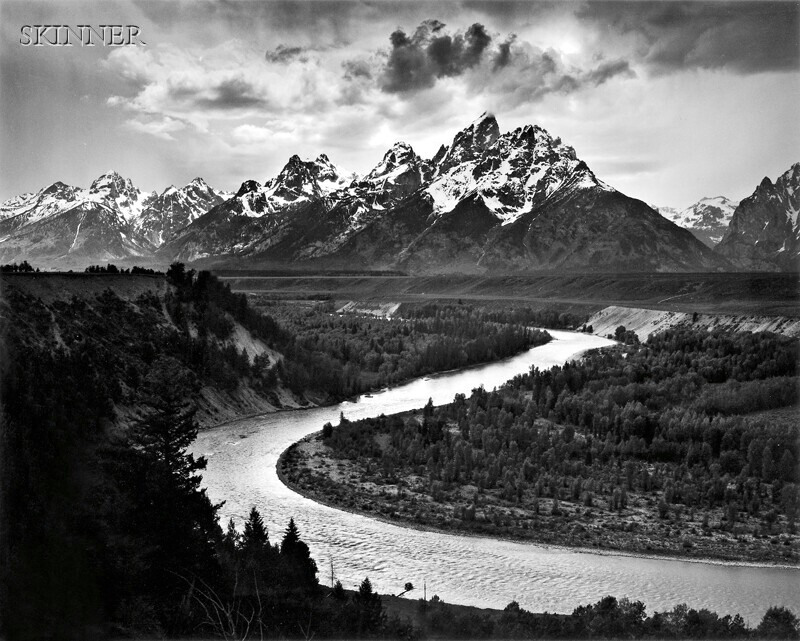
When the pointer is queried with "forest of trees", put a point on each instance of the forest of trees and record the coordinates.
(347, 354)
(680, 426)
(110, 268)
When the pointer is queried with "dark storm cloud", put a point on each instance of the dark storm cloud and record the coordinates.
(519, 70)
(742, 37)
(284, 53)
(503, 55)
(235, 93)
(415, 62)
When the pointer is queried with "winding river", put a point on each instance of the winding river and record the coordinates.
(242, 456)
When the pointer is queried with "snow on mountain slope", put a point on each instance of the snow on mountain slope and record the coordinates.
(31, 207)
(118, 192)
(175, 208)
(112, 219)
(511, 173)
(707, 219)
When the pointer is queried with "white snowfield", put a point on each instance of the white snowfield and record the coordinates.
(651, 321)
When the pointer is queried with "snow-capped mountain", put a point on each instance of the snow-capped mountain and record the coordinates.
(174, 208)
(764, 232)
(33, 206)
(487, 201)
(259, 215)
(113, 190)
(707, 219)
(111, 220)
(399, 174)
(511, 173)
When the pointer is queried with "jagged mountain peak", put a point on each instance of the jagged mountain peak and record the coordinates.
(764, 231)
(120, 194)
(112, 181)
(470, 142)
(175, 208)
(399, 155)
(58, 187)
(248, 186)
(399, 174)
(307, 179)
(485, 125)
(296, 178)
(511, 174)
(330, 176)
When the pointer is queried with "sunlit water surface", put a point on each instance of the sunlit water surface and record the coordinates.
(242, 458)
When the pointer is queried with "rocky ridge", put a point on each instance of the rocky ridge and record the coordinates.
(764, 233)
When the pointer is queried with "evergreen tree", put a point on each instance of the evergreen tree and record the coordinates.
(170, 427)
(371, 617)
(302, 569)
(255, 537)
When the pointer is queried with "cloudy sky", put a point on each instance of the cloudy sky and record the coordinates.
(666, 101)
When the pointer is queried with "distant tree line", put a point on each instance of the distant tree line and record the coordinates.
(23, 267)
(609, 618)
(110, 268)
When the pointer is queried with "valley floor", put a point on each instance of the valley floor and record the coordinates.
(709, 293)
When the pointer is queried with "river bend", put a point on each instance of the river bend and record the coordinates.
(242, 457)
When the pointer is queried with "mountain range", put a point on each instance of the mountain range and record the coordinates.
(111, 220)
(486, 202)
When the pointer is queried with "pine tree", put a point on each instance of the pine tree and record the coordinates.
(170, 427)
(370, 609)
(301, 568)
(255, 537)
